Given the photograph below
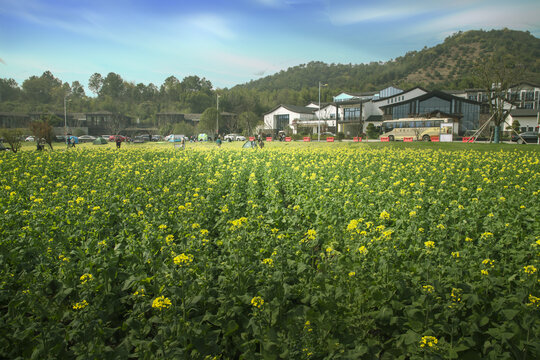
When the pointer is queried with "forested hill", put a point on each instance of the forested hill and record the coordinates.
(447, 65)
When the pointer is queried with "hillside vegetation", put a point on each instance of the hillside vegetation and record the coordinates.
(448, 65)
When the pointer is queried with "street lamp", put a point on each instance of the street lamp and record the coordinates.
(217, 118)
(65, 115)
(319, 112)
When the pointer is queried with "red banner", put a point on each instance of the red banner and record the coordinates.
(468, 139)
(269, 139)
(329, 139)
(385, 138)
(288, 139)
(435, 138)
(252, 138)
(307, 138)
(357, 139)
(408, 139)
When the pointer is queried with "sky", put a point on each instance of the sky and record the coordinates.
(230, 42)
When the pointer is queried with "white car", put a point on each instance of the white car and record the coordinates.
(174, 138)
(234, 137)
(30, 138)
(86, 138)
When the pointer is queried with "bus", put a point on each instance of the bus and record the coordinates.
(416, 128)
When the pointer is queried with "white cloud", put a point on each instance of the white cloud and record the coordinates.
(347, 13)
(212, 24)
(487, 18)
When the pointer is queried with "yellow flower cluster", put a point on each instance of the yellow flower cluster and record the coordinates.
(161, 302)
(534, 301)
(80, 305)
(428, 288)
(139, 292)
(384, 215)
(238, 223)
(268, 261)
(429, 244)
(429, 341)
(85, 278)
(183, 259)
(529, 269)
(257, 302)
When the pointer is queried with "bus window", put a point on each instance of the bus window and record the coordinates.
(429, 123)
(438, 123)
(399, 124)
(419, 124)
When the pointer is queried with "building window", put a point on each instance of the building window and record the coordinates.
(282, 121)
(351, 114)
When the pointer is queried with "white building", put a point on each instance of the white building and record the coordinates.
(288, 118)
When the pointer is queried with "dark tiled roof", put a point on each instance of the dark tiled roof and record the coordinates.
(401, 93)
(435, 93)
(524, 112)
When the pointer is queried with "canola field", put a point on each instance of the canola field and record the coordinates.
(296, 252)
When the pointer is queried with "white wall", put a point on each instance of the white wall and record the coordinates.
(269, 122)
(328, 112)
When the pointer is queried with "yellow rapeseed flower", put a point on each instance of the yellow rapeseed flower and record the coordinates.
(429, 244)
(529, 269)
(161, 302)
(85, 278)
(257, 302)
(183, 259)
(80, 305)
(429, 341)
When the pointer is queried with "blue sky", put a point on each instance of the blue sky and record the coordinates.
(230, 42)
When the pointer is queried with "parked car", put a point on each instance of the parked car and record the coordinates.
(528, 136)
(156, 138)
(139, 139)
(114, 137)
(30, 138)
(86, 138)
(234, 137)
(174, 138)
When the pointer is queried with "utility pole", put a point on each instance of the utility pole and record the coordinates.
(217, 118)
(319, 113)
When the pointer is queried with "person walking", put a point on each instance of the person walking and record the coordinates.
(118, 142)
(183, 143)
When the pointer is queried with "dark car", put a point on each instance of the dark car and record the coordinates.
(529, 136)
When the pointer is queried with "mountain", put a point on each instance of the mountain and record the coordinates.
(445, 66)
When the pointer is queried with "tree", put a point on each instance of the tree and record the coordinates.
(95, 83)
(498, 76)
(41, 89)
(184, 129)
(113, 86)
(77, 90)
(13, 138)
(42, 130)
(248, 121)
(372, 132)
(515, 126)
(208, 121)
(9, 90)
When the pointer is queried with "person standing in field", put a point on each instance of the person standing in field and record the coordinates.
(183, 142)
(118, 142)
(218, 141)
